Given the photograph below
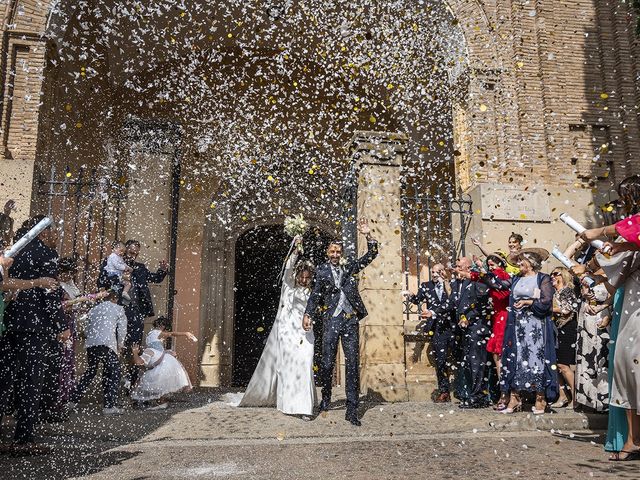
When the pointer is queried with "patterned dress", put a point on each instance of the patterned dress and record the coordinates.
(592, 384)
(530, 363)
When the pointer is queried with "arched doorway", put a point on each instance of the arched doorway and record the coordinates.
(260, 253)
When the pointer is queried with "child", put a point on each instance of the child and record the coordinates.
(163, 373)
(117, 270)
(106, 330)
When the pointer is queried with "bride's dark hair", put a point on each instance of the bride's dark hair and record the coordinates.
(305, 265)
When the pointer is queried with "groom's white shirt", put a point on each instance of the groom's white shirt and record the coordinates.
(343, 303)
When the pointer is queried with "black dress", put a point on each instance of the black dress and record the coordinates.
(567, 326)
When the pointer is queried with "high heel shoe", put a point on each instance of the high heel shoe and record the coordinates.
(509, 410)
(540, 400)
(560, 403)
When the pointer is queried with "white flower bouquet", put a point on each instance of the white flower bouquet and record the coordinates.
(296, 225)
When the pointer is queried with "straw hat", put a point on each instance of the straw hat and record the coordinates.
(541, 252)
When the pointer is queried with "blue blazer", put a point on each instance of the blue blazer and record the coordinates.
(326, 294)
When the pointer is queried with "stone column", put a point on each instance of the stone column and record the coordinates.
(216, 323)
(378, 159)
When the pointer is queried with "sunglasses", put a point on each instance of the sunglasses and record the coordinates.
(556, 274)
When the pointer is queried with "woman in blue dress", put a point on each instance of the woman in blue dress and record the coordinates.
(528, 352)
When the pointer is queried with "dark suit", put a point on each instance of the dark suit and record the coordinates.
(29, 351)
(141, 305)
(442, 325)
(323, 302)
(470, 301)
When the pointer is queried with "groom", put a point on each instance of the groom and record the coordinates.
(335, 301)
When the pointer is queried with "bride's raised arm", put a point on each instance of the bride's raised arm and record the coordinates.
(289, 277)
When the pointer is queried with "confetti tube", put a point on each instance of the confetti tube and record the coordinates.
(28, 237)
(567, 262)
(576, 227)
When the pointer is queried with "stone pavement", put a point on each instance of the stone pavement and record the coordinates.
(201, 436)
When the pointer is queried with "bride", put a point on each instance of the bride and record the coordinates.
(284, 375)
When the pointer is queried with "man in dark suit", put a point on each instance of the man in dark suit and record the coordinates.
(439, 319)
(471, 309)
(141, 305)
(335, 300)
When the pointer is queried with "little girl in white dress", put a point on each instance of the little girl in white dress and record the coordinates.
(163, 373)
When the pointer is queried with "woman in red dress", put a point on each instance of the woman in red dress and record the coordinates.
(500, 302)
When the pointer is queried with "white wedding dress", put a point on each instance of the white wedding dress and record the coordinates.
(284, 375)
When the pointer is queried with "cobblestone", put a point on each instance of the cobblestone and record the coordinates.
(201, 436)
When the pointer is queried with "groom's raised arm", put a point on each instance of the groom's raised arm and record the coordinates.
(367, 258)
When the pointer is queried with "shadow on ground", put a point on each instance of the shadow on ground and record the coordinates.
(84, 444)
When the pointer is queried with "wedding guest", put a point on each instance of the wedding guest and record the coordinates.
(105, 333)
(6, 223)
(499, 305)
(117, 270)
(514, 245)
(35, 326)
(565, 309)
(621, 269)
(592, 385)
(440, 319)
(471, 311)
(74, 303)
(528, 352)
(141, 304)
(163, 373)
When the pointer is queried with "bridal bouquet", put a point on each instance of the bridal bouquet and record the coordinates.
(296, 225)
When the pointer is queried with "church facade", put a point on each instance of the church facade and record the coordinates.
(198, 126)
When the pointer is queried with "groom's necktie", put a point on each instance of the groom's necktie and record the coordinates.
(337, 275)
(343, 303)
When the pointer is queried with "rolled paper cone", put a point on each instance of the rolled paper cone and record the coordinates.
(567, 262)
(28, 237)
(571, 223)
(576, 227)
(562, 258)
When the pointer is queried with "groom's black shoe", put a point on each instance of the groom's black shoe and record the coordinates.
(324, 405)
(352, 418)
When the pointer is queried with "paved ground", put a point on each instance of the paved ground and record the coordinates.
(201, 436)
